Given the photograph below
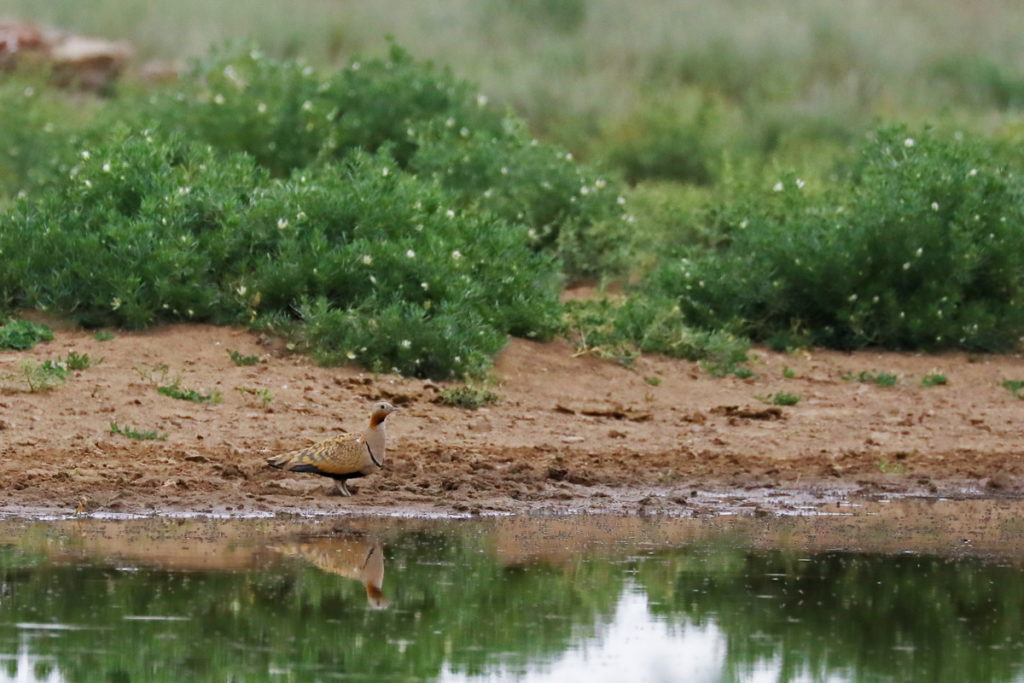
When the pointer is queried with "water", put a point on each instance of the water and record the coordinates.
(904, 592)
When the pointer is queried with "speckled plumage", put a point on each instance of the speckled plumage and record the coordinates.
(344, 457)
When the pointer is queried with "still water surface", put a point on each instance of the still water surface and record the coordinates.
(929, 594)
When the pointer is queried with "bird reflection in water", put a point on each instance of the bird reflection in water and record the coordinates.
(358, 557)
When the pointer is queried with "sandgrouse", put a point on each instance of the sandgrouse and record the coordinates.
(344, 457)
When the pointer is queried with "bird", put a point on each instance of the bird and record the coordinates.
(350, 555)
(344, 457)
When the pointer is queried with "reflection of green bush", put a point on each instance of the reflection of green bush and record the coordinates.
(452, 603)
(870, 617)
(867, 617)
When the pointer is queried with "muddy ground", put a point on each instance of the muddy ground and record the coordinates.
(569, 433)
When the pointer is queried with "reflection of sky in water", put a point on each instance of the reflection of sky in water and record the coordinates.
(640, 648)
(25, 667)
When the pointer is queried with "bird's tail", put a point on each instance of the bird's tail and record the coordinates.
(283, 460)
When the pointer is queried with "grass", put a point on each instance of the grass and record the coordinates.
(261, 396)
(158, 376)
(467, 396)
(78, 361)
(242, 360)
(104, 335)
(34, 377)
(882, 379)
(653, 381)
(137, 435)
(934, 379)
(175, 390)
(1015, 387)
(781, 398)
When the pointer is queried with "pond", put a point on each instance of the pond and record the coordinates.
(902, 591)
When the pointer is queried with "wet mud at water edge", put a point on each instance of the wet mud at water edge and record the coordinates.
(902, 591)
(569, 433)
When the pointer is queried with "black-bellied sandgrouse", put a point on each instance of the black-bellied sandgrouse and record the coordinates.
(344, 457)
(349, 555)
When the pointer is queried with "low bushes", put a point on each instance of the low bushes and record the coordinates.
(922, 247)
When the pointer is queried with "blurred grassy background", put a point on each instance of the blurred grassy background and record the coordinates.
(581, 70)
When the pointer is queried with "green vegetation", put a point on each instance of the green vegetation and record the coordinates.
(241, 359)
(385, 211)
(133, 433)
(653, 381)
(20, 335)
(104, 335)
(882, 379)
(788, 373)
(1015, 387)
(175, 390)
(78, 361)
(934, 379)
(261, 396)
(467, 396)
(781, 398)
(955, 612)
(34, 377)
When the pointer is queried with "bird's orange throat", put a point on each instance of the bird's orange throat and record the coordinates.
(377, 419)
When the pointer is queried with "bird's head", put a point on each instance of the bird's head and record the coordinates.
(381, 409)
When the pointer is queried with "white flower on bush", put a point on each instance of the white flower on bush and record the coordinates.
(409, 253)
(450, 213)
(282, 223)
(261, 108)
(115, 303)
(385, 171)
(935, 206)
(800, 183)
(307, 106)
(85, 154)
(481, 100)
(778, 187)
(456, 254)
(106, 167)
(351, 355)
(599, 183)
(973, 172)
(906, 266)
(218, 99)
(406, 344)
(909, 142)
(424, 286)
(919, 252)
(367, 259)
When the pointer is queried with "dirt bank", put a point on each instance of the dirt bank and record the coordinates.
(570, 433)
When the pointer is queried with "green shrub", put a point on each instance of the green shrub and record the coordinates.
(467, 396)
(35, 377)
(146, 229)
(132, 433)
(20, 335)
(241, 360)
(922, 248)
(621, 329)
(934, 379)
(882, 379)
(289, 117)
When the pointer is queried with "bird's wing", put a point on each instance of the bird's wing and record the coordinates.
(341, 455)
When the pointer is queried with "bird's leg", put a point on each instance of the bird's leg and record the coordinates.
(342, 488)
